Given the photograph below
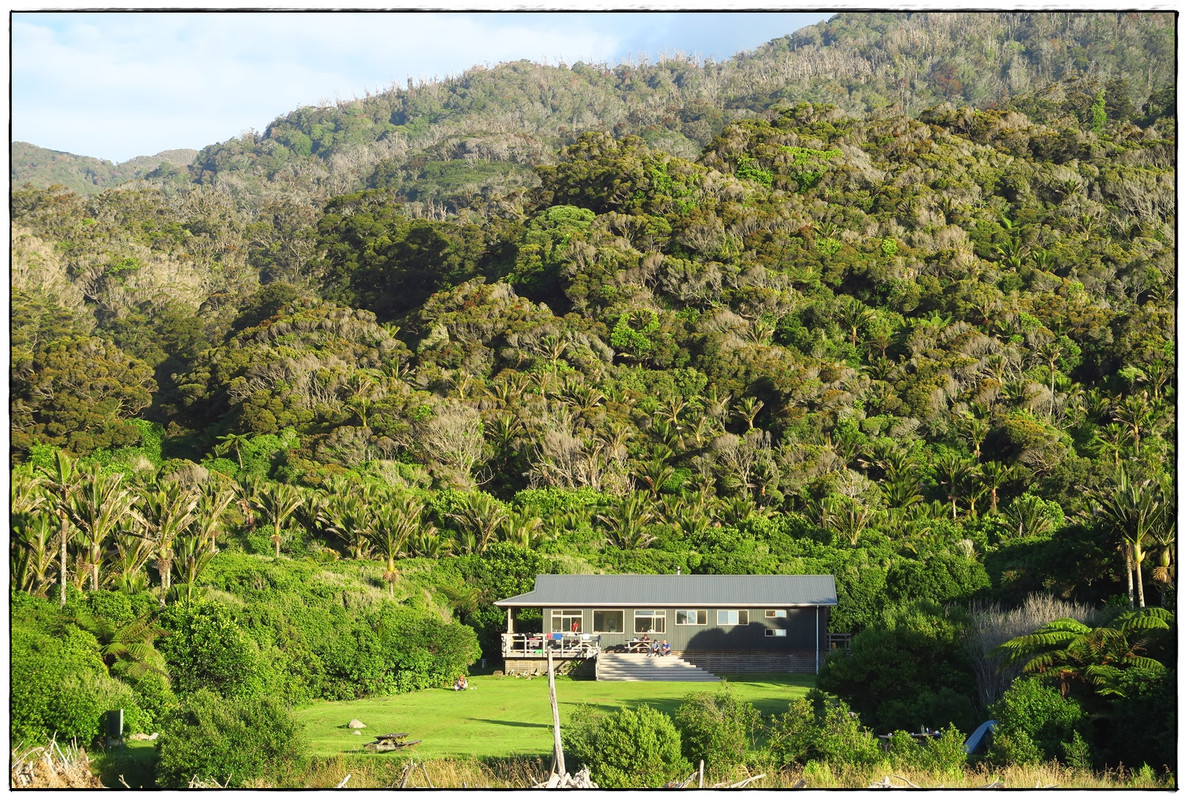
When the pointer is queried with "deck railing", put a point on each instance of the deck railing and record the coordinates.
(562, 645)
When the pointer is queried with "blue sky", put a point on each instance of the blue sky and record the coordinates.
(120, 85)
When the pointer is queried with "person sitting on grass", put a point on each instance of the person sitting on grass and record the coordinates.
(665, 649)
(461, 684)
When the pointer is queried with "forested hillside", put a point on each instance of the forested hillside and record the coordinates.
(84, 175)
(896, 305)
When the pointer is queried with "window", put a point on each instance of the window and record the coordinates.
(651, 622)
(733, 616)
(776, 613)
(566, 620)
(776, 632)
(692, 616)
(607, 621)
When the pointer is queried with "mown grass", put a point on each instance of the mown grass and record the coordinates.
(505, 717)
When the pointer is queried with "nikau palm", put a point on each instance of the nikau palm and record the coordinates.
(165, 514)
(393, 527)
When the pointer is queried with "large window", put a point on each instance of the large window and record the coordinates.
(651, 622)
(733, 616)
(608, 621)
(566, 620)
(692, 616)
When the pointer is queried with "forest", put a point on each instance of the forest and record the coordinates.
(889, 299)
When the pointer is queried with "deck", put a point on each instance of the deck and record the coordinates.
(561, 645)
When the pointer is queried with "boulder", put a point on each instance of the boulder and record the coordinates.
(354, 723)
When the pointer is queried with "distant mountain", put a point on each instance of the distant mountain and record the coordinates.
(83, 174)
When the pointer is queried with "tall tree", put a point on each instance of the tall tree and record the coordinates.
(166, 510)
(99, 506)
(277, 503)
(394, 525)
(62, 483)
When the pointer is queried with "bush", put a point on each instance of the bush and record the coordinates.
(626, 750)
(840, 736)
(791, 735)
(716, 727)
(59, 684)
(1033, 723)
(882, 679)
(206, 649)
(233, 741)
(821, 728)
(944, 755)
(425, 652)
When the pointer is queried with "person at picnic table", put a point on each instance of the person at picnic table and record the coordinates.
(665, 649)
(461, 683)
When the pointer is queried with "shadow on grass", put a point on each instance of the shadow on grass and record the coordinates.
(509, 723)
(136, 762)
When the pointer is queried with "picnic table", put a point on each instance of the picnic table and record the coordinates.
(638, 646)
(386, 742)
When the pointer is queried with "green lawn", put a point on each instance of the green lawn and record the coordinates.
(502, 716)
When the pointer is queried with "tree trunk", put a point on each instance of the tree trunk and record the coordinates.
(62, 582)
(1129, 572)
(165, 567)
(1137, 571)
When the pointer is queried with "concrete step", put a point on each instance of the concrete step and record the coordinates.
(639, 667)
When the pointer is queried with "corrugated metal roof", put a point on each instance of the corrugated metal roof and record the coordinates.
(678, 590)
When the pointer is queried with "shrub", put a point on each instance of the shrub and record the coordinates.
(1030, 712)
(233, 741)
(716, 727)
(938, 755)
(628, 749)
(791, 734)
(840, 736)
(59, 684)
(206, 649)
(821, 728)
(425, 652)
(882, 679)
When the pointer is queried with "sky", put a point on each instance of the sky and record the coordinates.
(116, 85)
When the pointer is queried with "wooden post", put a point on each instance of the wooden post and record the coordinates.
(558, 752)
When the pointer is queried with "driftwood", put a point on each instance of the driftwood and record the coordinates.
(886, 784)
(740, 784)
(566, 781)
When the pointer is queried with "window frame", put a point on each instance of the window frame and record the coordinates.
(651, 614)
(621, 620)
(775, 613)
(560, 615)
(780, 633)
(701, 614)
(741, 616)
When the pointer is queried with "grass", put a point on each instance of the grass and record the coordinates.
(135, 762)
(504, 716)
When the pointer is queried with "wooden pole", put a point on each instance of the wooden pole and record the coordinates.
(558, 752)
